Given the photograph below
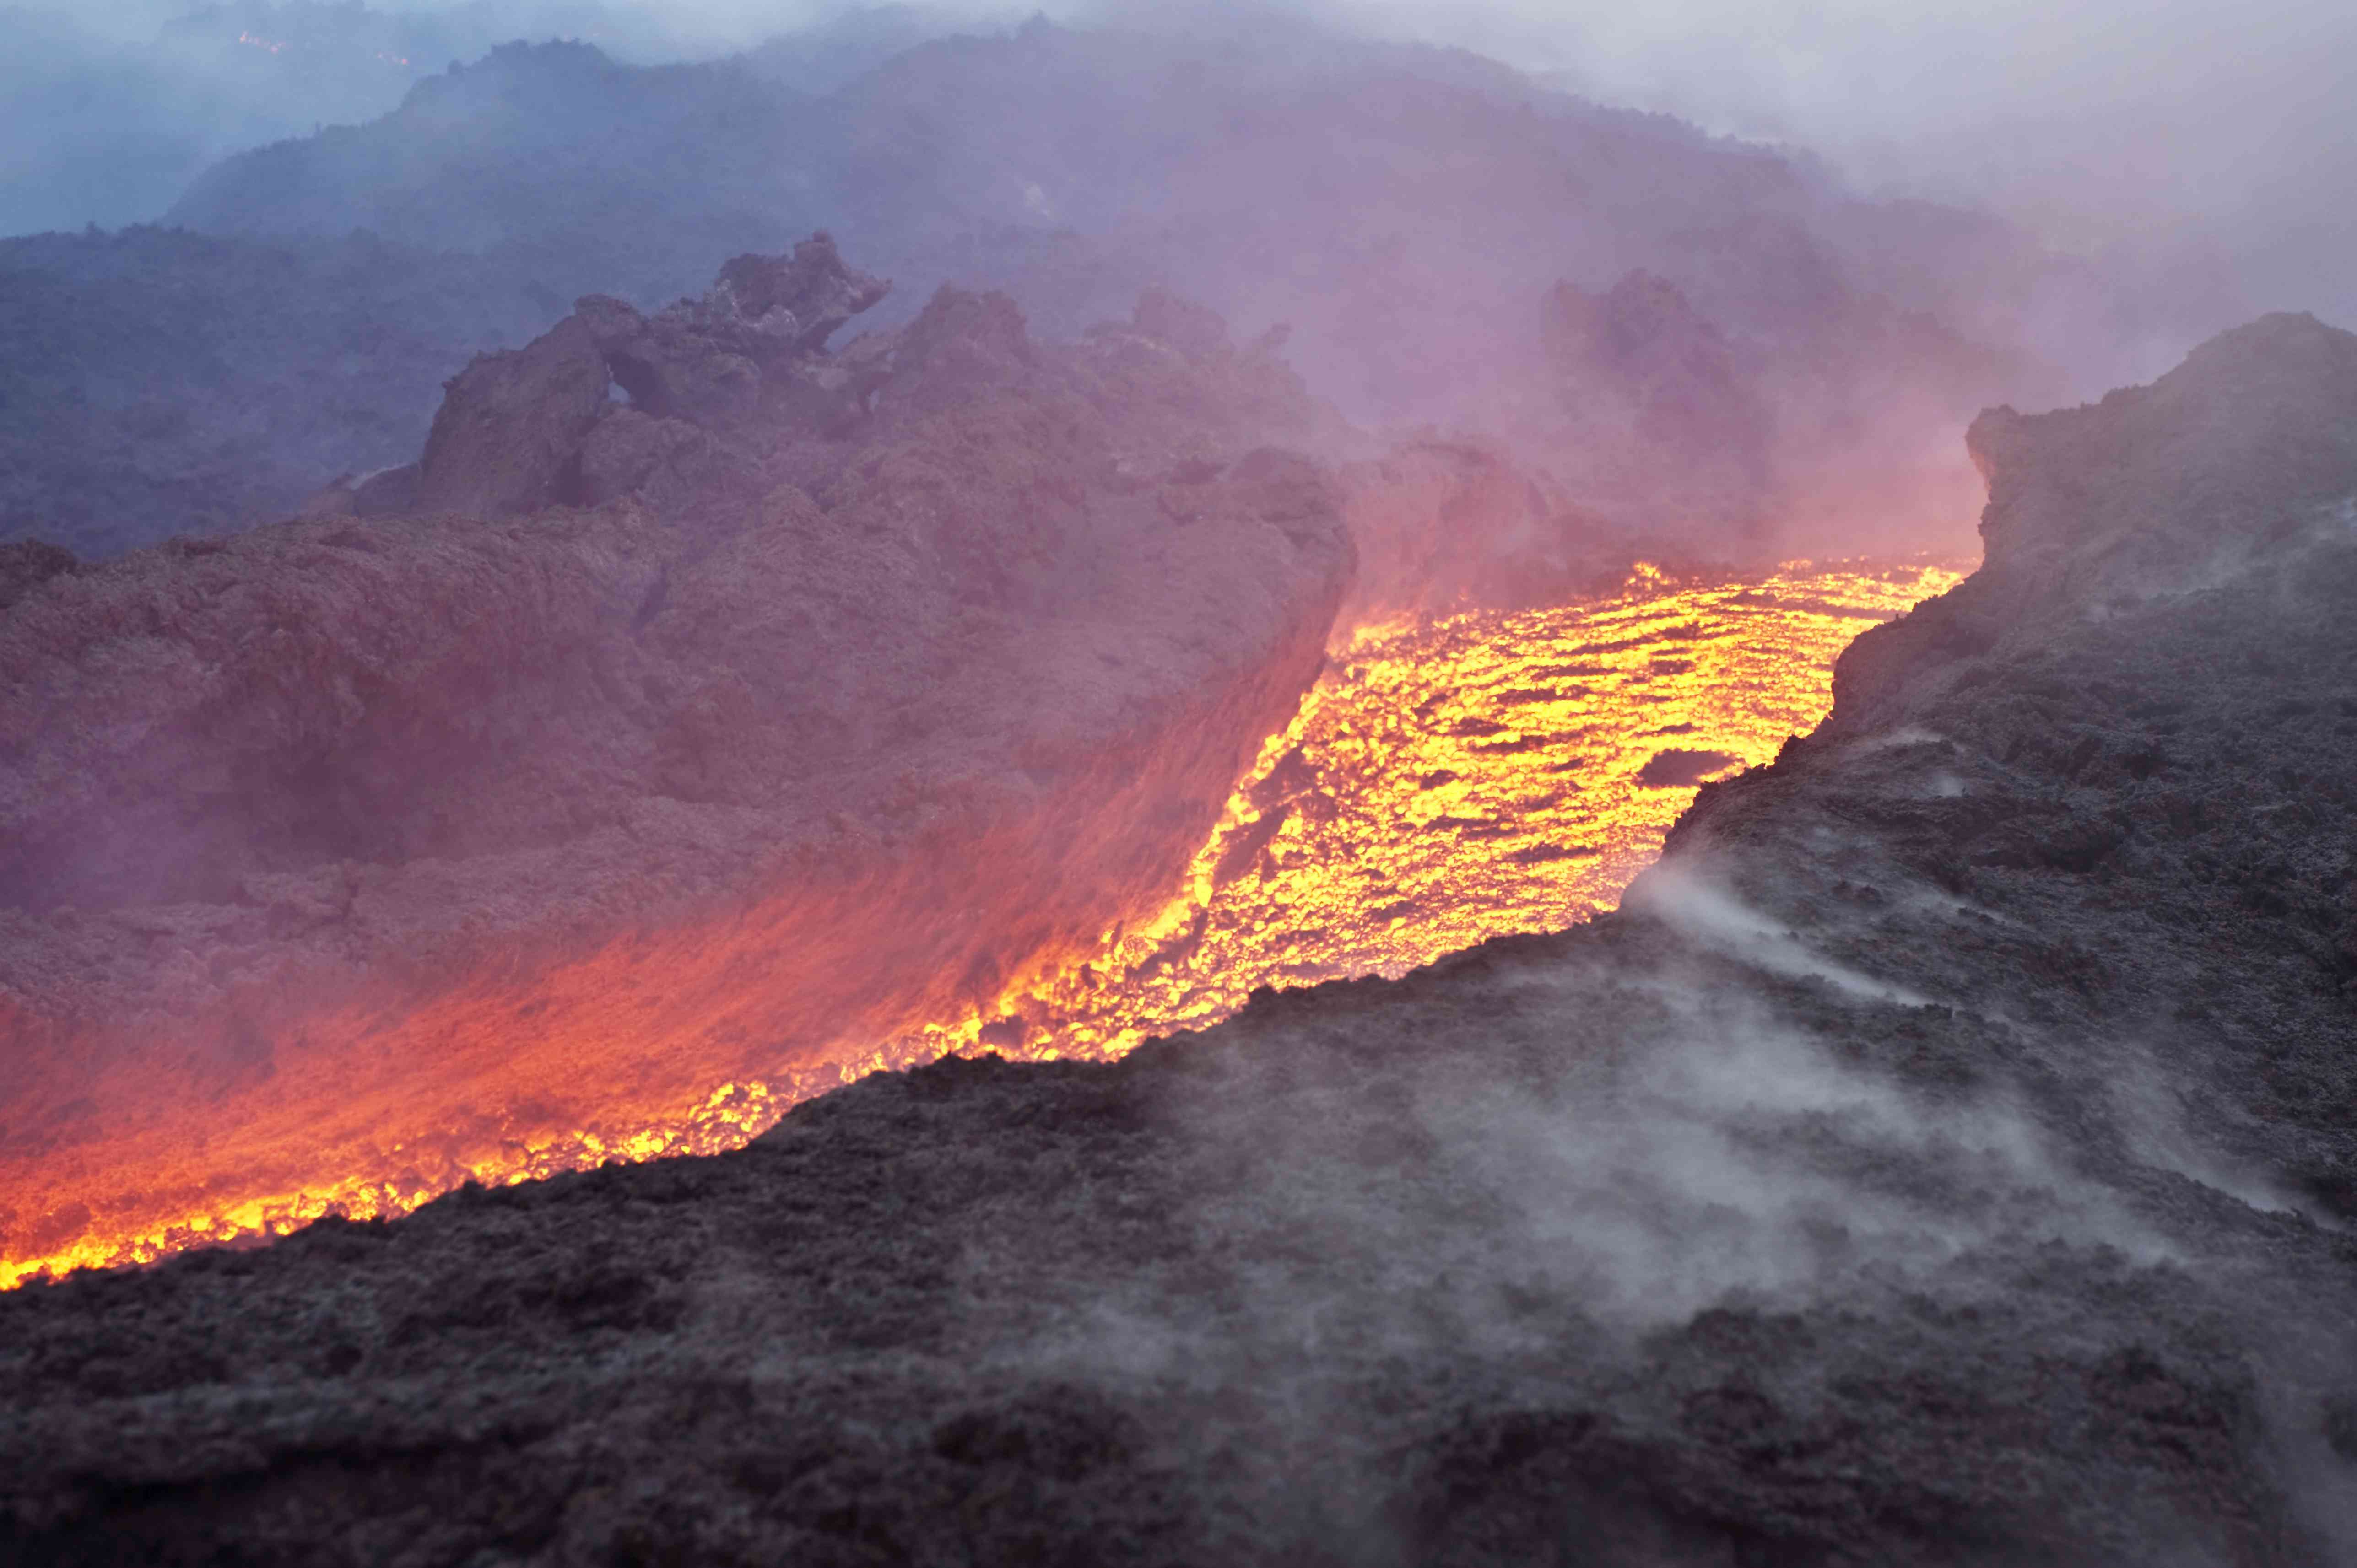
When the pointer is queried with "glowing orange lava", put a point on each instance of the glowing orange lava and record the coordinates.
(1443, 783)
(1450, 782)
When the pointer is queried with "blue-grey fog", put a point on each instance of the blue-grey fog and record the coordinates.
(2166, 134)
(1835, 237)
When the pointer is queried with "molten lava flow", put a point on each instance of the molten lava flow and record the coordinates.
(1450, 782)
(1443, 783)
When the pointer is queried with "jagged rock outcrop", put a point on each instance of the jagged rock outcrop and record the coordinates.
(711, 361)
(531, 428)
(798, 300)
(1941, 1158)
(509, 437)
(389, 849)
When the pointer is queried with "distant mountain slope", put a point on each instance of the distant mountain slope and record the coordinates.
(154, 382)
(1405, 209)
(1405, 213)
(534, 140)
(1367, 166)
(98, 128)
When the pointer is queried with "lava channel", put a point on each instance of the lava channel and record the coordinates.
(1445, 781)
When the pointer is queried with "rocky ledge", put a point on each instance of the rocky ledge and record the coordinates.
(704, 698)
(1946, 1157)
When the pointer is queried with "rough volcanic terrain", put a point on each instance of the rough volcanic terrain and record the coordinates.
(698, 692)
(1698, 337)
(1946, 1157)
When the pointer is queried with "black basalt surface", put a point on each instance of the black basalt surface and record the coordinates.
(1948, 1155)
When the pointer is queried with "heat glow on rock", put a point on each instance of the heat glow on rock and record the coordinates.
(1443, 783)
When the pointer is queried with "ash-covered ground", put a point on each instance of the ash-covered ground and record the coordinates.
(1948, 1154)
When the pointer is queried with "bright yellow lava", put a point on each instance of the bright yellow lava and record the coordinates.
(1449, 782)
(1443, 783)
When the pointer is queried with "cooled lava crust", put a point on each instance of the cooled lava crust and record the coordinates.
(623, 748)
(1948, 1154)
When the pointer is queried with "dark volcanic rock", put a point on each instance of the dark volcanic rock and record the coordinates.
(533, 428)
(286, 821)
(628, 452)
(1678, 767)
(1850, 1197)
(801, 298)
(509, 437)
(26, 565)
(387, 492)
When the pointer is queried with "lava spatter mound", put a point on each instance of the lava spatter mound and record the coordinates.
(1942, 1158)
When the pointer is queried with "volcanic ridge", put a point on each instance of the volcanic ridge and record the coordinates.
(1946, 1154)
(696, 693)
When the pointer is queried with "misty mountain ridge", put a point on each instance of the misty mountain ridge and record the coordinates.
(107, 130)
(1403, 213)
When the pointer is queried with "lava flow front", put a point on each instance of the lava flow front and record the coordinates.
(1443, 783)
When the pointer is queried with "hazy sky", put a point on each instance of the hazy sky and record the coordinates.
(2171, 125)
(2185, 104)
